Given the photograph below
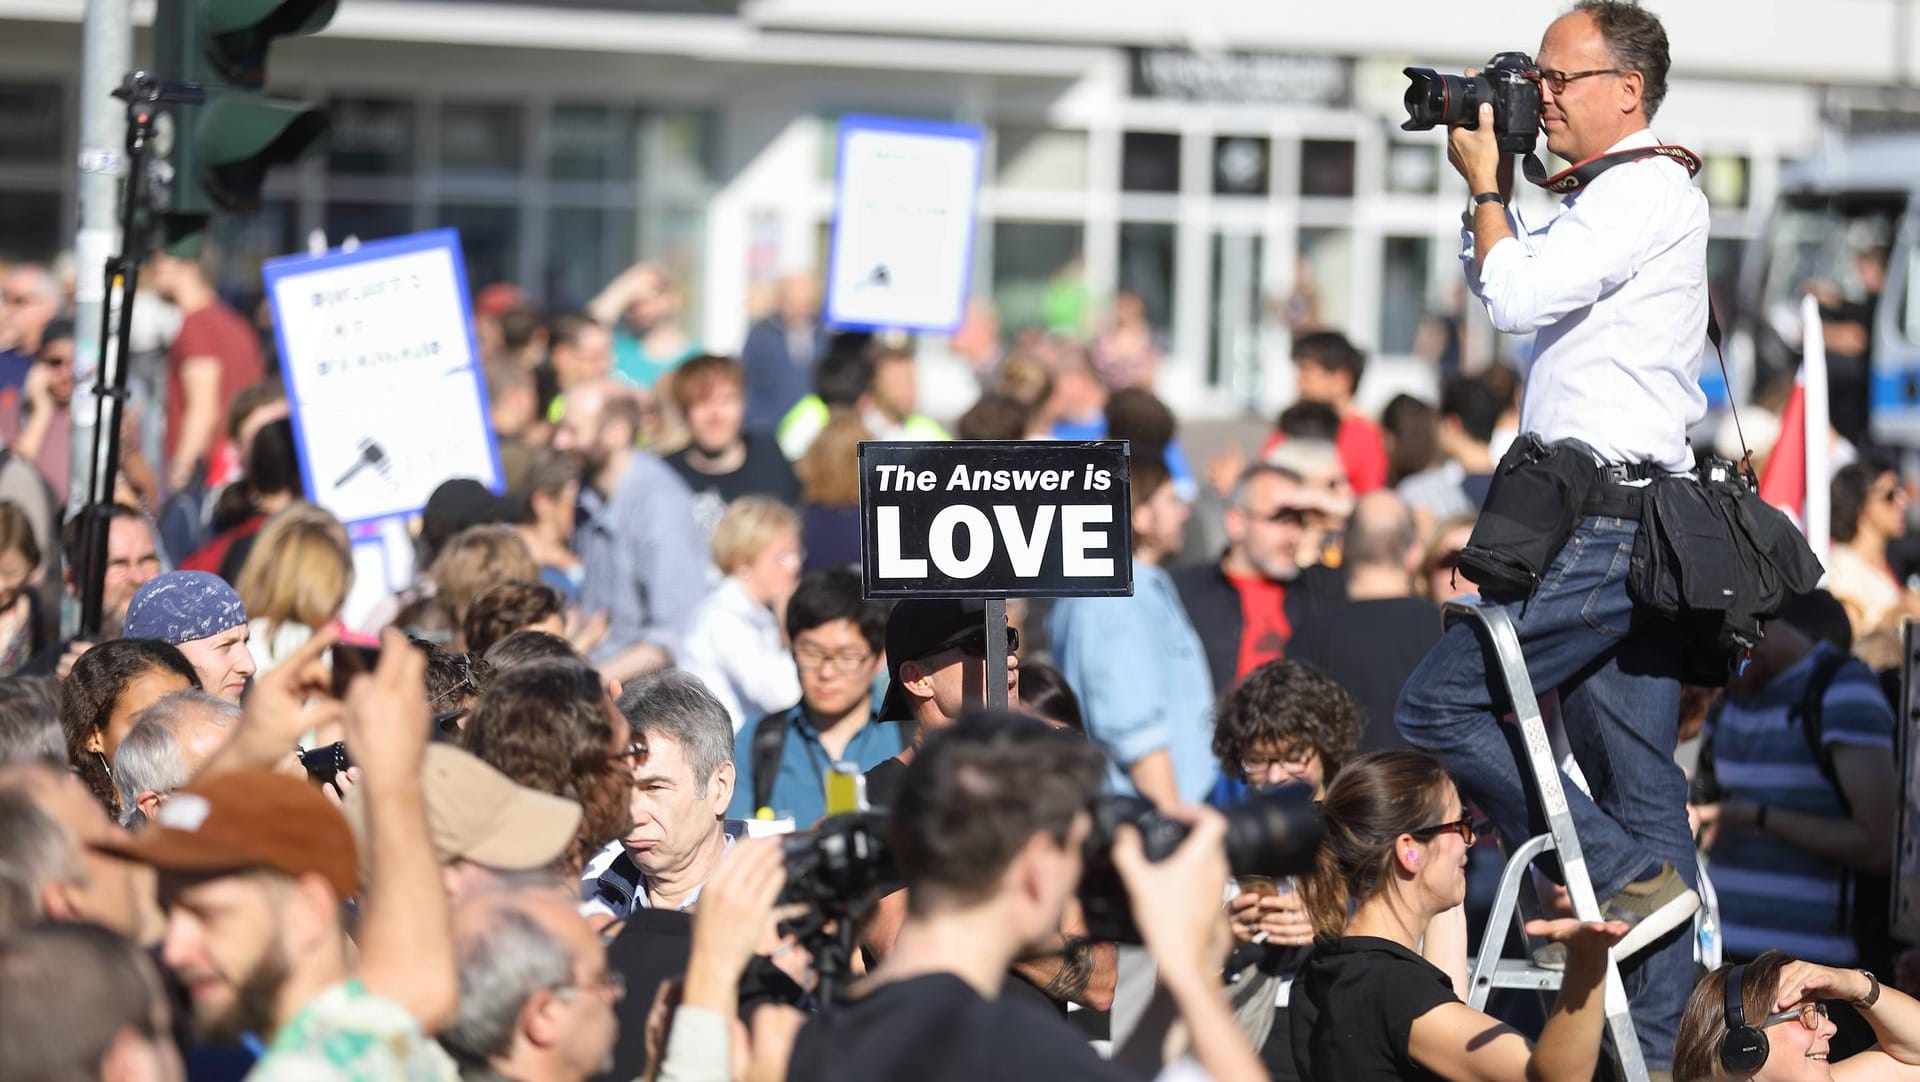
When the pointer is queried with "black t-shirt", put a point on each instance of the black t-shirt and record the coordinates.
(1370, 648)
(765, 472)
(1353, 1007)
(936, 1028)
(884, 779)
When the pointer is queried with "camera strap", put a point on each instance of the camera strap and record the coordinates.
(1581, 174)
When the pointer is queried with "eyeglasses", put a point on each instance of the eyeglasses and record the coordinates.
(610, 984)
(632, 755)
(1445, 561)
(1462, 826)
(1809, 1014)
(973, 643)
(1294, 762)
(1557, 81)
(814, 660)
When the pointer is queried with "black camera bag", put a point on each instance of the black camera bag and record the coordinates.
(1532, 506)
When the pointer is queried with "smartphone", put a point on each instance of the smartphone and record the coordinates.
(349, 661)
(846, 789)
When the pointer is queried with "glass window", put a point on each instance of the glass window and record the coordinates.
(490, 240)
(1406, 270)
(586, 248)
(1233, 334)
(32, 128)
(1037, 276)
(1724, 177)
(371, 137)
(367, 221)
(481, 141)
(31, 226)
(593, 143)
(1150, 162)
(679, 151)
(1413, 168)
(1040, 158)
(1326, 167)
(1322, 297)
(1146, 270)
(1240, 165)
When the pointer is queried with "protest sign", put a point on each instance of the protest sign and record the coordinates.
(1906, 843)
(995, 519)
(384, 379)
(902, 250)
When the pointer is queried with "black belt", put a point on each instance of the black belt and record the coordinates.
(1614, 497)
(1610, 500)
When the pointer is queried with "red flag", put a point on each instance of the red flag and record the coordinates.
(1784, 482)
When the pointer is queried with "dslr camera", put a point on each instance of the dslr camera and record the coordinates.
(840, 866)
(1510, 82)
(1274, 833)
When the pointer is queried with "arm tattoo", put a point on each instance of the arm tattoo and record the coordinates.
(1076, 970)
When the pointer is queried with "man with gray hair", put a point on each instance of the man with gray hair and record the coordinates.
(536, 998)
(681, 789)
(1368, 641)
(49, 826)
(165, 748)
(30, 721)
(29, 299)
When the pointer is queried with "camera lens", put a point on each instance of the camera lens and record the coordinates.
(1426, 99)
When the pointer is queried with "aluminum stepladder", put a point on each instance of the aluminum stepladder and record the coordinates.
(1490, 970)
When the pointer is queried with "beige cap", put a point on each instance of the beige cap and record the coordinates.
(476, 813)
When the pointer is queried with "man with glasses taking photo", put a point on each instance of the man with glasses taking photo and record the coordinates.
(1614, 291)
(782, 759)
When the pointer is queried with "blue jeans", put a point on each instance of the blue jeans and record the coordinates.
(1620, 705)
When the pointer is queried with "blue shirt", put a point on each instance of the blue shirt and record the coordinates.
(798, 788)
(1142, 679)
(643, 557)
(1773, 894)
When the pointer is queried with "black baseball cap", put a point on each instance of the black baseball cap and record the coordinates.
(458, 504)
(919, 628)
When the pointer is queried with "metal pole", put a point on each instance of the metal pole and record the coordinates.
(996, 675)
(106, 57)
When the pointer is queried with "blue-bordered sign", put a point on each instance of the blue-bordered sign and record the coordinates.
(382, 372)
(903, 222)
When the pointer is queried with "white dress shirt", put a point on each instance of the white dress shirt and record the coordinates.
(735, 648)
(1614, 289)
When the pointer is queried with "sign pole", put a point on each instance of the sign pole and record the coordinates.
(996, 676)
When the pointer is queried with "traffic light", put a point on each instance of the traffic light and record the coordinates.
(214, 154)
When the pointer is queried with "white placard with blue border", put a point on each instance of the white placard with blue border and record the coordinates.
(903, 222)
(383, 373)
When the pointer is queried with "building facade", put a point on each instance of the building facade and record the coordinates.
(1238, 166)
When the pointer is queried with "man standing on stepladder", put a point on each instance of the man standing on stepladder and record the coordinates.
(1615, 290)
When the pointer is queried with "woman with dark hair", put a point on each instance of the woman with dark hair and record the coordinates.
(1385, 897)
(1767, 1021)
(1044, 694)
(1869, 505)
(109, 684)
(270, 485)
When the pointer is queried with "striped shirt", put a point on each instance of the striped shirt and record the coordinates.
(1772, 894)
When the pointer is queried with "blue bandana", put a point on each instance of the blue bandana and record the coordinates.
(181, 606)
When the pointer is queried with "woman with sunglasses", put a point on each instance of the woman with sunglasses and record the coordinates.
(1373, 1000)
(1869, 511)
(1786, 1000)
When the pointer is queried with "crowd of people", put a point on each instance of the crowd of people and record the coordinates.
(631, 780)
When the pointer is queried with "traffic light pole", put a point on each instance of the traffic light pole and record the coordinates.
(106, 55)
(120, 279)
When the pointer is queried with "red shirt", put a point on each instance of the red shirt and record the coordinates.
(221, 333)
(1363, 453)
(1264, 628)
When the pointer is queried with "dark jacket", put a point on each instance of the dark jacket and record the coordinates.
(1213, 605)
